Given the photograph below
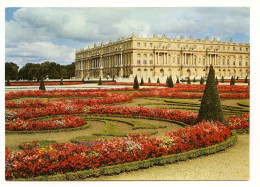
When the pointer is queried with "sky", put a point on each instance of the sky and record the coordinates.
(35, 35)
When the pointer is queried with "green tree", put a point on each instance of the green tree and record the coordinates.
(8, 82)
(142, 81)
(216, 80)
(170, 82)
(61, 81)
(11, 71)
(136, 85)
(177, 81)
(222, 79)
(246, 81)
(201, 80)
(158, 80)
(211, 108)
(100, 82)
(188, 81)
(42, 85)
(167, 82)
(194, 80)
(149, 80)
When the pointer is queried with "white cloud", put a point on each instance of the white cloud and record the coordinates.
(38, 52)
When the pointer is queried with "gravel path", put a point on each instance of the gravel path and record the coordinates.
(231, 164)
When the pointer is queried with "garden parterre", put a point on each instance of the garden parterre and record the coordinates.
(70, 157)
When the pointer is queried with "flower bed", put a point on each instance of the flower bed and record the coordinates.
(68, 157)
(238, 122)
(61, 122)
(46, 83)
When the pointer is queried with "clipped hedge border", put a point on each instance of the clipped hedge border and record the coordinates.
(87, 125)
(131, 166)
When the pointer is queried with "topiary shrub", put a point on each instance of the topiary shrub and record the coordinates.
(231, 81)
(158, 80)
(211, 108)
(42, 85)
(188, 81)
(170, 82)
(83, 79)
(167, 82)
(142, 81)
(8, 82)
(201, 80)
(136, 85)
(194, 80)
(61, 81)
(149, 80)
(100, 82)
(246, 81)
(177, 81)
(222, 79)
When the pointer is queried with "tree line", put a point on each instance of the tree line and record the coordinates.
(33, 71)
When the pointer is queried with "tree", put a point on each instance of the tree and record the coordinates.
(142, 81)
(177, 81)
(149, 80)
(216, 80)
(158, 80)
(194, 80)
(61, 81)
(42, 85)
(167, 82)
(188, 81)
(170, 82)
(246, 81)
(11, 71)
(100, 82)
(136, 85)
(232, 81)
(201, 80)
(8, 82)
(113, 78)
(211, 108)
(222, 79)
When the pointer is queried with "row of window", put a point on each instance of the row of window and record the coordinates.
(193, 47)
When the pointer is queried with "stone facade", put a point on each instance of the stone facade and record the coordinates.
(161, 56)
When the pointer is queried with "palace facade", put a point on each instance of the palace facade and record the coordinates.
(161, 56)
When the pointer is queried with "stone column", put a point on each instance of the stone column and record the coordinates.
(101, 67)
(121, 66)
(185, 59)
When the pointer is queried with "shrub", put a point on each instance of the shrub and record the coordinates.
(211, 108)
(149, 80)
(216, 80)
(42, 86)
(222, 79)
(188, 81)
(142, 81)
(201, 80)
(61, 81)
(167, 81)
(178, 81)
(8, 82)
(246, 81)
(100, 82)
(158, 80)
(136, 85)
(170, 82)
(194, 80)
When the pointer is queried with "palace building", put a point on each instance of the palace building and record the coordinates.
(161, 56)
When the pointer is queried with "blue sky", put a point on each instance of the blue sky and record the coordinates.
(36, 35)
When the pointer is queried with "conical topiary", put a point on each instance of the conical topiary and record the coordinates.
(222, 79)
(170, 82)
(246, 81)
(201, 80)
(194, 80)
(158, 80)
(136, 85)
(100, 82)
(142, 81)
(177, 81)
(211, 108)
(216, 80)
(231, 81)
(188, 81)
(113, 78)
(149, 80)
(8, 82)
(83, 79)
(42, 85)
(167, 81)
(61, 81)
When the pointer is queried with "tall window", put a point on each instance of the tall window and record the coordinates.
(234, 61)
(195, 60)
(218, 60)
(168, 59)
(144, 44)
(223, 47)
(204, 61)
(138, 58)
(187, 59)
(240, 48)
(228, 61)
(178, 59)
(151, 44)
(223, 61)
(246, 61)
(240, 61)
(234, 48)
(145, 59)
(151, 58)
(246, 49)
(138, 44)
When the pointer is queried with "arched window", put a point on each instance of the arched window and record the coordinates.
(145, 59)
(138, 58)
(228, 62)
(145, 73)
(151, 72)
(151, 58)
(161, 72)
(139, 71)
(240, 61)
